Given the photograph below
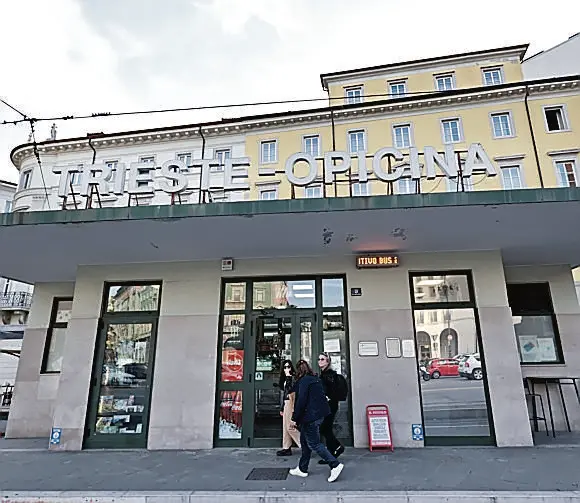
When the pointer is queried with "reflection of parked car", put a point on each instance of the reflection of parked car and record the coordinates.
(443, 367)
(470, 367)
(113, 376)
(139, 370)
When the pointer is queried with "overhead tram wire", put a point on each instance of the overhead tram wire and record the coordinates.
(205, 107)
(31, 122)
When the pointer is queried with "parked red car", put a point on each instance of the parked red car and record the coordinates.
(443, 367)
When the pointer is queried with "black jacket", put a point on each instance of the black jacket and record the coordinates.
(328, 377)
(311, 403)
(287, 387)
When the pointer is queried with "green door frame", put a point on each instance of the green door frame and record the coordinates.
(296, 316)
(249, 314)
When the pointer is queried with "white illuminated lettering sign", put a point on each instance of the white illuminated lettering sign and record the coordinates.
(170, 177)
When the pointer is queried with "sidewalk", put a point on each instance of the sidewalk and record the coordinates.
(465, 473)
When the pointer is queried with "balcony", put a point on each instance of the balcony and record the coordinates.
(15, 301)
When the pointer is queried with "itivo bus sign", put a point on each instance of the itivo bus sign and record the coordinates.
(145, 178)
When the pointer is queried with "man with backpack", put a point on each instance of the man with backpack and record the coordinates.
(336, 390)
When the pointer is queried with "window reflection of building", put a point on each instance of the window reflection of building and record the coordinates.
(133, 298)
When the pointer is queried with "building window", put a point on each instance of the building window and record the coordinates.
(511, 177)
(113, 166)
(147, 159)
(402, 136)
(406, 186)
(353, 95)
(356, 141)
(25, 179)
(311, 145)
(556, 119)
(360, 189)
(221, 155)
(313, 192)
(54, 344)
(75, 178)
(268, 152)
(502, 125)
(451, 131)
(185, 158)
(492, 76)
(398, 88)
(534, 323)
(444, 82)
(268, 194)
(566, 171)
(7, 206)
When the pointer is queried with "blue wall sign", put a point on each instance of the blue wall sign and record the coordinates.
(417, 431)
(55, 435)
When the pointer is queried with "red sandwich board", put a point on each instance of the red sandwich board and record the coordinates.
(379, 426)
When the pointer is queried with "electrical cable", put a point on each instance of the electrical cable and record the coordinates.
(31, 122)
(205, 107)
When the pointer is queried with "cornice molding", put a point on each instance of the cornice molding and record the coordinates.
(301, 118)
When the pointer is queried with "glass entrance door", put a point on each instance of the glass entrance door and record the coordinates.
(275, 339)
(119, 408)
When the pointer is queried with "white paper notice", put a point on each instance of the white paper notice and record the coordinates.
(547, 350)
(393, 347)
(408, 349)
(529, 348)
(369, 348)
(332, 345)
(380, 434)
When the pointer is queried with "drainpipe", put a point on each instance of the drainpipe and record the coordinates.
(93, 148)
(533, 136)
(334, 150)
(202, 158)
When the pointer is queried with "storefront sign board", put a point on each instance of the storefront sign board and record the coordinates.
(379, 427)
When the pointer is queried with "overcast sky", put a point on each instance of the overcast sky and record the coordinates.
(64, 57)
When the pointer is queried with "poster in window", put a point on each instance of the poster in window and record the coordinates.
(547, 350)
(529, 348)
(230, 423)
(232, 365)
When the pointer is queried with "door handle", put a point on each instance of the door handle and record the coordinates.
(250, 377)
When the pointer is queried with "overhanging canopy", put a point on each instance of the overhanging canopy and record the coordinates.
(530, 227)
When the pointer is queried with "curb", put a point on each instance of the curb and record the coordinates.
(282, 497)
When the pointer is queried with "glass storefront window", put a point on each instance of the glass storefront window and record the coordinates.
(334, 344)
(454, 401)
(284, 294)
(230, 420)
(233, 348)
(125, 379)
(235, 297)
(536, 339)
(534, 323)
(332, 292)
(444, 288)
(132, 298)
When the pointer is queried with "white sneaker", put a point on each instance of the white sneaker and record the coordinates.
(335, 472)
(297, 472)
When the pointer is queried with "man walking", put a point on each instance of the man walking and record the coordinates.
(310, 409)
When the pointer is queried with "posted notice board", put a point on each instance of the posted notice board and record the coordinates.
(379, 426)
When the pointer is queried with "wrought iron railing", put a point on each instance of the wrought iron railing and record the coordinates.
(15, 300)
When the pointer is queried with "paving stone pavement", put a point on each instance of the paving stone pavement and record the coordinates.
(462, 469)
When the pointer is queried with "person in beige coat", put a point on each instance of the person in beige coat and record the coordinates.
(289, 431)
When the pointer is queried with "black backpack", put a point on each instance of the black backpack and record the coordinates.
(340, 388)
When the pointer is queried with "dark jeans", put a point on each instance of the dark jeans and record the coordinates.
(310, 441)
(327, 431)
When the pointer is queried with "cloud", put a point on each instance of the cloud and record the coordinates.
(82, 56)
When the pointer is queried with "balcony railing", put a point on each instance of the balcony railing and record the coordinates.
(15, 300)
